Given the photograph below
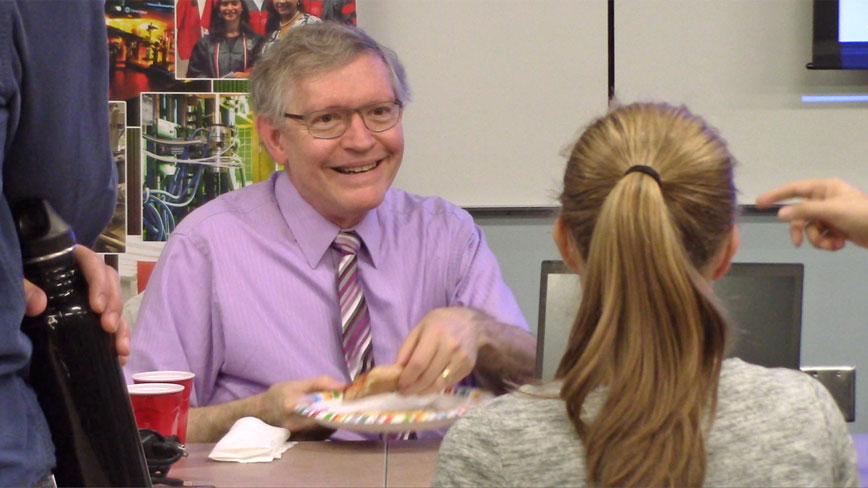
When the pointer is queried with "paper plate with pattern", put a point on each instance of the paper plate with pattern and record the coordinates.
(391, 412)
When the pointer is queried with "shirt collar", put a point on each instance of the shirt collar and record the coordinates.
(313, 232)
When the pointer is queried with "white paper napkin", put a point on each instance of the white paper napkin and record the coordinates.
(251, 440)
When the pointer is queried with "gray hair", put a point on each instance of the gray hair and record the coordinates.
(310, 50)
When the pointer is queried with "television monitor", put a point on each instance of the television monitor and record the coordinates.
(763, 300)
(840, 39)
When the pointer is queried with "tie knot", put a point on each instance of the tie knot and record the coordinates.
(347, 243)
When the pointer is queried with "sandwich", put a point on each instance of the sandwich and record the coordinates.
(380, 379)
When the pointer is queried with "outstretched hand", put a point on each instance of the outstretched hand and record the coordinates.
(831, 213)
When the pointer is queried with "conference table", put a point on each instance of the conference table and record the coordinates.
(392, 463)
(310, 464)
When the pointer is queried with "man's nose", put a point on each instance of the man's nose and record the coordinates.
(358, 136)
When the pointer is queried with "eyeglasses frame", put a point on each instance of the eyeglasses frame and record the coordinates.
(357, 110)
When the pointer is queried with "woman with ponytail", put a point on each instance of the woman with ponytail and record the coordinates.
(643, 395)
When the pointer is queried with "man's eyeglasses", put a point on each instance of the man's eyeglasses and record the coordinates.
(333, 122)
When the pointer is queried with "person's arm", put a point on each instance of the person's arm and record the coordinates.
(104, 296)
(507, 356)
(831, 212)
(845, 469)
(483, 331)
(49, 154)
(275, 406)
(469, 454)
(200, 60)
(450, 343)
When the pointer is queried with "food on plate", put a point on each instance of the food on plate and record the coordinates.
(380, 379)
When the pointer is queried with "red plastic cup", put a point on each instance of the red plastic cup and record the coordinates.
(183, 378)
(157, 406)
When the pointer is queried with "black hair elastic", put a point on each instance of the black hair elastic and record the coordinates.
(648, 170)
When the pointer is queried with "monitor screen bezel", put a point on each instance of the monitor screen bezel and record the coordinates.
(827, 51)
(739, 269)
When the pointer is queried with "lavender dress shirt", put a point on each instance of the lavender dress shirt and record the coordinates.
(244, 293)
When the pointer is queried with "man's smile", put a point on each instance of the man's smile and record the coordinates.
(358, 169)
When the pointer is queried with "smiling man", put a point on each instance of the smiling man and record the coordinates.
(303, 282)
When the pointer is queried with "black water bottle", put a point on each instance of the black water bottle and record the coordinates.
(74, 367)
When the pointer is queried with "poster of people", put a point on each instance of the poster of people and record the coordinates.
(180, 69)
(222, 39)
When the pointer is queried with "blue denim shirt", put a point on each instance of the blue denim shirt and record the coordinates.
(54, 133)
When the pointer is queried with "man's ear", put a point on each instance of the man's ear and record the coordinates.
(273, 139)
(728, 253)
(568, 249)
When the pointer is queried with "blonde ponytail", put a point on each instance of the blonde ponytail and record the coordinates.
(648, 328)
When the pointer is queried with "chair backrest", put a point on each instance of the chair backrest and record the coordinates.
(559, 296)
(764, 302)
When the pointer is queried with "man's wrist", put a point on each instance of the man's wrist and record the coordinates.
(486, 328)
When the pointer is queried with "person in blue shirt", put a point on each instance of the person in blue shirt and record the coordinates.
(54, 134)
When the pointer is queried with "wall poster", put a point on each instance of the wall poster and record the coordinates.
(181, 121)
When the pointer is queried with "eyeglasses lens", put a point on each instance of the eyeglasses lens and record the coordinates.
(331, 123)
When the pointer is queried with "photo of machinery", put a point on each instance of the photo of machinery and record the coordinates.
(195, 147)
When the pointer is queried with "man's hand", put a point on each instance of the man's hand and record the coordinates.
(276, 406)
(104, 297)
(280, 400)
(441, 350)
(832, 213)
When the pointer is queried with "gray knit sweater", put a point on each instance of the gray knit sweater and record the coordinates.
(774, 428)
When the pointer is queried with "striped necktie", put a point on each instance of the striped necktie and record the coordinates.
(355, 320)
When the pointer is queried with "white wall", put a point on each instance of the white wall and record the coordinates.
(499, 88)
(741, 65)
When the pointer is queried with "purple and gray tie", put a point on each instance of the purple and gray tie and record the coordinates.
(355, 320)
